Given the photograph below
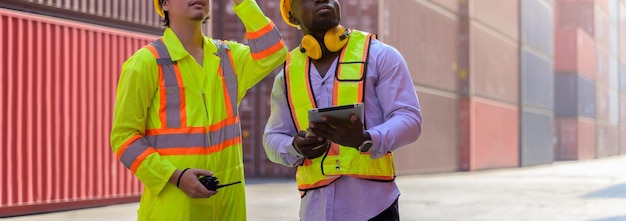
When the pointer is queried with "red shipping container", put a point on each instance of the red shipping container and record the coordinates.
(494, 135)
(575, 52)
(571, 14)
(607, 140)
(575, 139)
(58, 85)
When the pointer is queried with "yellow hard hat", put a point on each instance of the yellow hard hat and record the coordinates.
(285, 7)
(158, 9)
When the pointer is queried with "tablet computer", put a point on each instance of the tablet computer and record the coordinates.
(342, 112)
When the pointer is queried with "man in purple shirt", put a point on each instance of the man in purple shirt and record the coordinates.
(345, 167)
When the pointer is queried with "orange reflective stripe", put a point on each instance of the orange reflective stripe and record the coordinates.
(162, 114)
(333, 150)
(269, 51)
(223, 123)
(200, 150)
(257, 34)
(140, 158)
(290, 95)
(184, 130)
(152, 50)
(162, 99)
(126, 144)
(317, 184)
(306, 162)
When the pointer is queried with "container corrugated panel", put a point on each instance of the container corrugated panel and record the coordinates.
(601, 32)
(622, 78)
(622, 109)
(603, 61)
(495, 65)
(607, 140)
(536, 32)
(436, 149)
(136, 12)
(58, 83)
(450, 5)
(495, 135)
(575, 95)
(614, 66)
(438, 29)
(575, 52)
(537, 78)
(602, 103)
(613, 107)
(576, 14)
(536, 139)
(576, 139)
(622, 31)
(502, 16)
(613, 41)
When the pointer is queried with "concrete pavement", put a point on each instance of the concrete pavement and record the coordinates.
(592, 190)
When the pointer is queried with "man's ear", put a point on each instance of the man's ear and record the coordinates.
(293, 19)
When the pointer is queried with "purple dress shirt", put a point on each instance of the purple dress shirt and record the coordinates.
(393, 119)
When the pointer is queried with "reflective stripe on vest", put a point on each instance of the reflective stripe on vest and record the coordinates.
(175, 137)
(263, 44)
(348, 89)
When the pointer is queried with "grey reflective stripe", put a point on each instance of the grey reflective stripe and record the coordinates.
(172, 93)
(224, 134)
(194, 140)
(229, 75)
(177, 140)
(133, 151)
(264, 42)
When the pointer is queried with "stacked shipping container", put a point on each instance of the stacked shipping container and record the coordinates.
(575, 73)
(536, 78)
(58, 83)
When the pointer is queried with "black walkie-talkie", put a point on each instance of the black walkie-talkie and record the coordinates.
(211, 183)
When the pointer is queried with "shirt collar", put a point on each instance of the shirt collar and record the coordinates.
(176, 49)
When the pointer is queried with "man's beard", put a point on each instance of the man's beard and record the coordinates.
(323, 25)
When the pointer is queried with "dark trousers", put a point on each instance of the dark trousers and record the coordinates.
(390, 214)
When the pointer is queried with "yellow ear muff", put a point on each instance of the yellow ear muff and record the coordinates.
(334, 40)
(311, 47)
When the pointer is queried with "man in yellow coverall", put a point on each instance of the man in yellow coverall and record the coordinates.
(176, 113)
